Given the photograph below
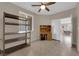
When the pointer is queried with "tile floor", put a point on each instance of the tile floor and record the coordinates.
(46, 48)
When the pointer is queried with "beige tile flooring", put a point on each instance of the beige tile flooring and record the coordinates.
(46, 48)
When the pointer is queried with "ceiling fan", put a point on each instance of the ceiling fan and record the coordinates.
(44, 6)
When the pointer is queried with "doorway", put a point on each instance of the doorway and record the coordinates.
(62, 30)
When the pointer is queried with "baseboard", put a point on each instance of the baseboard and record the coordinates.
(55, 40)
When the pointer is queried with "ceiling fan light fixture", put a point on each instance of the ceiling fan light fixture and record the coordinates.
(42, 6)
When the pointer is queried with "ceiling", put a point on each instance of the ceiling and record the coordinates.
(55, 8)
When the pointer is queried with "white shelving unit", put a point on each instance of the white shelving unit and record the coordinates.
(15, 42)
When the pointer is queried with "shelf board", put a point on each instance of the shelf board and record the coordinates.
(14, 39)
(7, 41)
(7, 15)
(16, 33)
(15, 48)
(7, 23)
(14, 44)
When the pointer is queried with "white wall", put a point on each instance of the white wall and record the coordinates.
(77, 25)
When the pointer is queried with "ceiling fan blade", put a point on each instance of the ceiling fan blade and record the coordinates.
(47, 9)
(50, 3)
(39, 10)
(36, 5)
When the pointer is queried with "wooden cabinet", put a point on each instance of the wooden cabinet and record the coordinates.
(45, 32)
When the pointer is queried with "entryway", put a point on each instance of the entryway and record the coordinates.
(62, 31)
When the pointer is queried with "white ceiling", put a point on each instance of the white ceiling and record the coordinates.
(56, 8)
